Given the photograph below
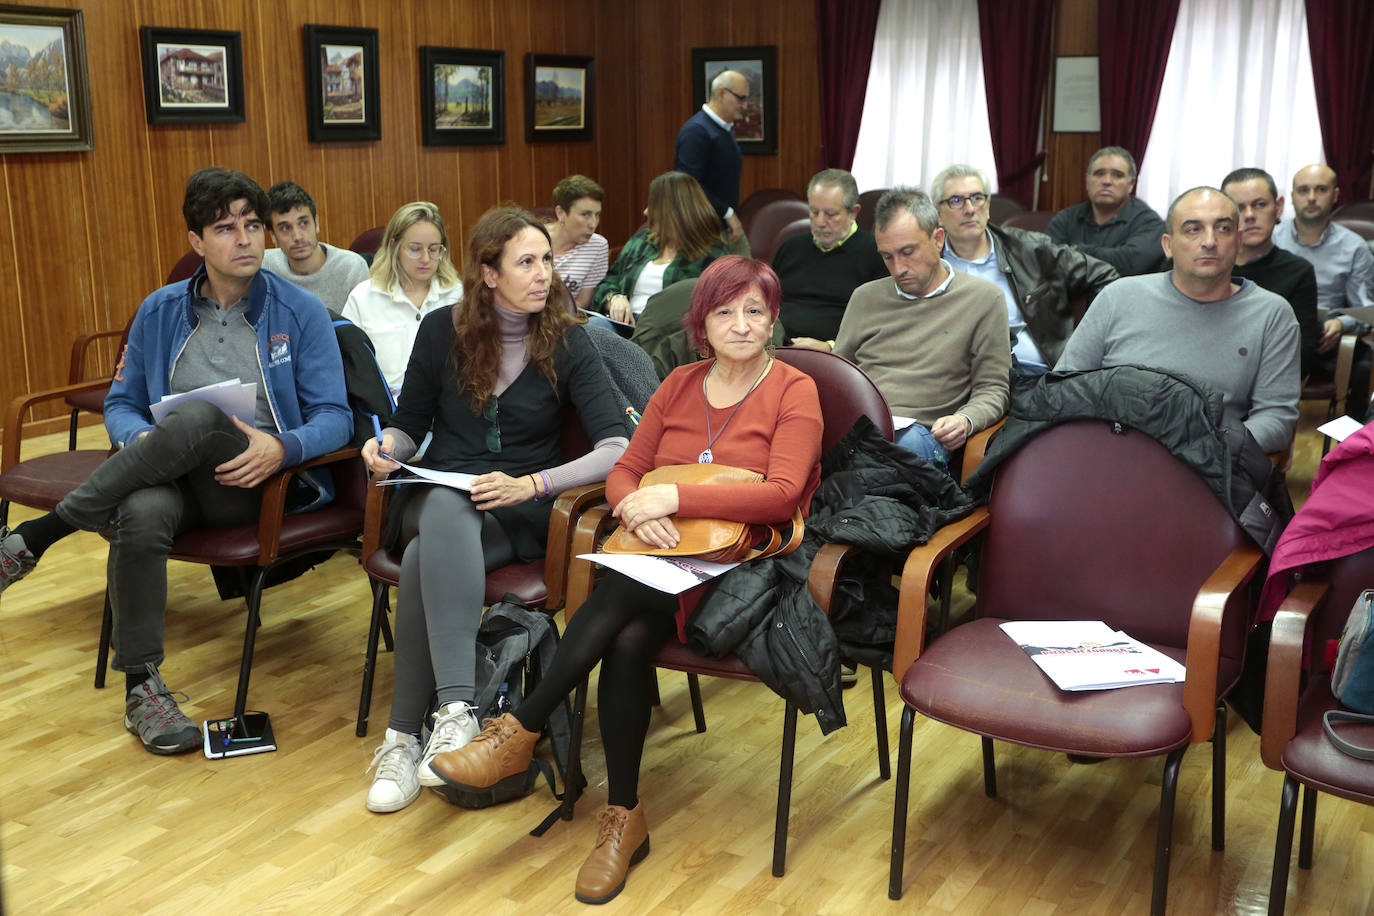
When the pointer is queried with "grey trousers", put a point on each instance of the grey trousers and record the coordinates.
(439, 601)
(151, 491)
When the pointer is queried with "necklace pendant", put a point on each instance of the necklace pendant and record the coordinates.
(705, 457)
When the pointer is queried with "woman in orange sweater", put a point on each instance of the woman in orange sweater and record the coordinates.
(741, 408)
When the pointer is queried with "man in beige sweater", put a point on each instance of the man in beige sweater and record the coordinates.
(935, 341)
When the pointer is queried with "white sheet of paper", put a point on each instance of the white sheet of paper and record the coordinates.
(673, 575)
(901, 423)
(455, 479)
(1340, 428)
(235, 398)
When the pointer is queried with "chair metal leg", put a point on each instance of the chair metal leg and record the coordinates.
(694, 691)
(899, 805)
(386, 625)
(4, 511)
(1283, 846)
(946, 586)
(880, 724)
(1219, 780)
(1164, 843)
(989, 770)
(102, 657)
(379, 607)
(250, 635)
(572, 781)
(654, 698)
(1309, 824)
(789, 748)
(71, 431)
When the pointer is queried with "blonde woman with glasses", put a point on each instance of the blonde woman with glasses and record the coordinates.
(411, 276)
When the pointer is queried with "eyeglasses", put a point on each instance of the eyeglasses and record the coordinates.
(435, 251)
(957, 201)
(494, 431)
(742, 98)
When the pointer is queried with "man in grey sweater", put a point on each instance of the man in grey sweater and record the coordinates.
(1197, 321)
(300, 256)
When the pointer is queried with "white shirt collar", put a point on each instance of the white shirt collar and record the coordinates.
(949, 277)
(715, 117)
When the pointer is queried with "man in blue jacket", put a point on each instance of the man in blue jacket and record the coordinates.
(198, 467)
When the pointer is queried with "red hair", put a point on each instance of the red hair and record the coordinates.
(725, 280)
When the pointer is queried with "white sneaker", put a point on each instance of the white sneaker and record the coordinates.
(454, 726)
(395, 784)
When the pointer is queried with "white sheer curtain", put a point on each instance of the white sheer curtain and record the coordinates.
(1237, 93)
(926, 105)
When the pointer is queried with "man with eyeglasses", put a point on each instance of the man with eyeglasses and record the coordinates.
(707, 150)
(1041, 280)
(198, 467)
(821, 270)
(300, 256)
(1111, 225)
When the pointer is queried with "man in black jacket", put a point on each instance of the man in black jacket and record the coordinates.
(1111, 225)
(1046, 285)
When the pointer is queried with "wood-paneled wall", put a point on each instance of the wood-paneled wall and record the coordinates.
(1067, 155)
(88, 235)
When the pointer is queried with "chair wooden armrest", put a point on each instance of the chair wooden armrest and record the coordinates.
(274, 501)
(976, 447)
(20, 405)
(569, 506)
(374, 513)
(916, 577)
(825, 571)
(1204, 635)
(1283, 674)
(76, 371)
(590, 527)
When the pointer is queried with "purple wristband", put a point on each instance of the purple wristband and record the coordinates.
(548, 484)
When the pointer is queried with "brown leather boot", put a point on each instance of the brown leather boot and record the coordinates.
(622, 841)
(502, 749)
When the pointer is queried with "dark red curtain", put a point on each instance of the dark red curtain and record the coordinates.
(844, 50)
(1133, 40)
(1341, 33)
(1016, 66)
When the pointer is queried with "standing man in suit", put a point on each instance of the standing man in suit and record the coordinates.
(707, 150)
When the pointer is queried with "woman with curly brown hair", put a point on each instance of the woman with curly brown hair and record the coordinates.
(491, 378)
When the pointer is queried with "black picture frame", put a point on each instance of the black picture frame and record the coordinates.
(482, 119)
(191, 76)
(342, 104)
(551, 113)
(757, 130)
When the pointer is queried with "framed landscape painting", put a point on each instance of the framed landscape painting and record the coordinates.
(45, 102)
(342, 85)
(462, 96)
(757, 128)
(191, 76)
(560, 96)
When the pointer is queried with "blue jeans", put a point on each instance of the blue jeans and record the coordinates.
(918, 440)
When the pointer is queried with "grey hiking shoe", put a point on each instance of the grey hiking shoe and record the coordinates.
(16, 560)
(151, 713)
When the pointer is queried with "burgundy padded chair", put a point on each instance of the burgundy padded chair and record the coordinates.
(1085, 524)
(868, 200)
(277, 538)
(1358, 209)
(1002, 206)
(768, 222)
(846, 393)
(368, 241)
(540, 583)
(1293, 741)
(41, 482)
(755, 202)
(185, 268)
(1363, 226)
(1034, 220)
(796, 227)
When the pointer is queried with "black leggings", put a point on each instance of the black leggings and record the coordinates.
(622, 625)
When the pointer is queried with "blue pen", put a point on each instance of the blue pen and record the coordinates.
(378, 428)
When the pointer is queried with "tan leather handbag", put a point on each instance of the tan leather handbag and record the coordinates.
(713, 539)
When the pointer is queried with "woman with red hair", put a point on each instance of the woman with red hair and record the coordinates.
(738, 407)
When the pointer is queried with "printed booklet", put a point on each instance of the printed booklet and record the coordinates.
(1089, 655)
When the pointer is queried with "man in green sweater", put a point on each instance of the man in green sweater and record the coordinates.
(935, 341)
(1201, 322)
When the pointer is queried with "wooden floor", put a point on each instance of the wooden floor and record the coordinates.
(91, 822)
